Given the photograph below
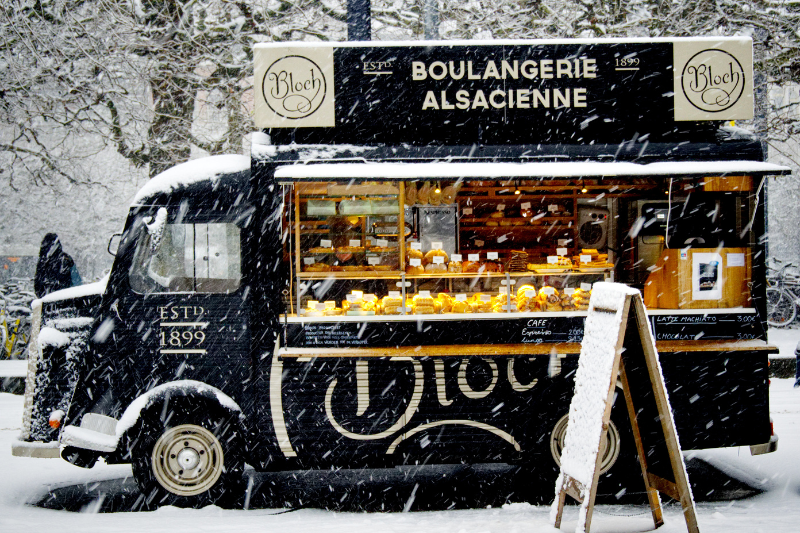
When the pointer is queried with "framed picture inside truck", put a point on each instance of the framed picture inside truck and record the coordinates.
(400, 272)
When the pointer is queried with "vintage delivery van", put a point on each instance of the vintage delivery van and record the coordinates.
(400, 272)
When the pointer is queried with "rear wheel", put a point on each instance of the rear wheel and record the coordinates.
(609, 448)
(191, 460)
(781, 310)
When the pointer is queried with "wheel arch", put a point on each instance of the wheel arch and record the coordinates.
(159, 398)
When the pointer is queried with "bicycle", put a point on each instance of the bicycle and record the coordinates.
(15, 320)
(783, 295)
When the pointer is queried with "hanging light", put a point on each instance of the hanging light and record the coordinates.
(438, 188)
(584, 190)
(516, 188)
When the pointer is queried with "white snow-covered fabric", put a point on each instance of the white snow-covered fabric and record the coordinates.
(592, 381)
(195, 171)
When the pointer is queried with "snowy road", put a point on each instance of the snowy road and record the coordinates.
(775, 510)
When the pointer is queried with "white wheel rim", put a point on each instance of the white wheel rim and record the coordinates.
(609, 448)
(187, 460)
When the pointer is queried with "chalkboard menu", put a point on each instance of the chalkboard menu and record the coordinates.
(734, 326)
(528, 330)
(533, 329)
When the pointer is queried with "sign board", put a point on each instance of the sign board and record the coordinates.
(617, 343)
(499, 92)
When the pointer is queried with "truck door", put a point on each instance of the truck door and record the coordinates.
(186, 313)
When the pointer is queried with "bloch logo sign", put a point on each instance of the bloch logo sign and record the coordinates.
(294, 87)
(713, 81)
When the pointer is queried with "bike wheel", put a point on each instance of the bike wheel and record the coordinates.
(781, 310)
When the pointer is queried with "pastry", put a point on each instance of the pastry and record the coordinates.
(428, 258)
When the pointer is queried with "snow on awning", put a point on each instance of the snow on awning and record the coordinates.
(573, 169)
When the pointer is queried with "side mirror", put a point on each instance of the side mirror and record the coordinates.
(113, 244)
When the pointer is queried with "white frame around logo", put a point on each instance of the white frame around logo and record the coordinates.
(322, 110)
(719, 55)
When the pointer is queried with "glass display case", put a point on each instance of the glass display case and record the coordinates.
(360, 249)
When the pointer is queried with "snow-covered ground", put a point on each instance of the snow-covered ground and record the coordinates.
(776, 510)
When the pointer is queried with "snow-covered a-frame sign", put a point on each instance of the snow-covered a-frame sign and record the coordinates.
(617, 343)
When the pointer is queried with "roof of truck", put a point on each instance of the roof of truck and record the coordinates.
(206, 173)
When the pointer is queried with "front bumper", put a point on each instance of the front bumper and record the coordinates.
(767, 447)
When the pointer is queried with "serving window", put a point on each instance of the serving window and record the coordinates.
(472, 247)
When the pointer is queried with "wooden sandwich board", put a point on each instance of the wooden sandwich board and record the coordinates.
(617, 344)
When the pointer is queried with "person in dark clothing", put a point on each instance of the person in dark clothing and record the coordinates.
(55, 269)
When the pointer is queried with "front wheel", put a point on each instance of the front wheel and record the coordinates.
(192, 460)
(781, 310)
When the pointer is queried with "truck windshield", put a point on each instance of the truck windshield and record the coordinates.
(203, 257)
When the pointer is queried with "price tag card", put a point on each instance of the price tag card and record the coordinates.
(355, 242)
(586, 286)
(479, 244)
(486, 297)
(491, 255)
(735, 260)
(501, 207)
(456, 258)
(586, 258)
(312, 304)
(553, 208)
(374, 260)
(319, 307)
(383, 243)
(436, 245)
(416, 246)
(474, 257)
(511, 307)
(502, 238)
(424, 294)
(552, 259)
(395, 294)
(359, 294)
(352, 298)
(529, 293)
(467, 211)
(415, 262)
(548, 290)
(330, 304)
(325, 243)
(308, 260)
(438, 260)
(569, 291)
(370, 297)
(561, 251)
(461, 297)
(525, 205)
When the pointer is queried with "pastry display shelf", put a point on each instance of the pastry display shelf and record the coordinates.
(366, 274)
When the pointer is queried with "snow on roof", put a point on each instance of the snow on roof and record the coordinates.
(571, 169)
(498, 42)
(194, 171)
(78, 291)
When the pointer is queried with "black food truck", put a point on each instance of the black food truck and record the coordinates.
(400, 273)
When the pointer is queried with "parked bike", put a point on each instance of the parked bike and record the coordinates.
(783, 294)
(15, 319)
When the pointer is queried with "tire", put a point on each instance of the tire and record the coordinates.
(620, 473)
(192, 457)
(781, 310)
